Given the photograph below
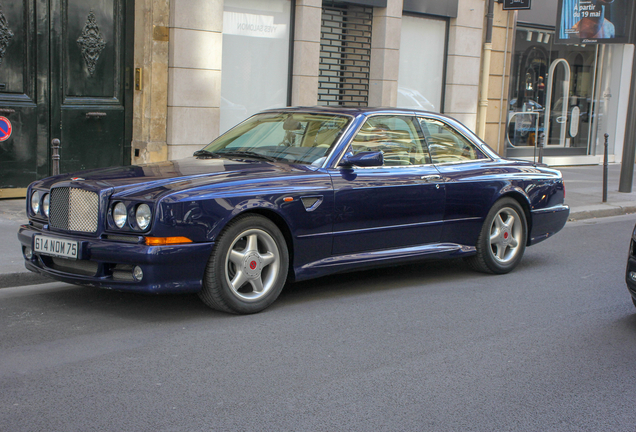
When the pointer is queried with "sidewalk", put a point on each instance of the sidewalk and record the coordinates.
(583, 193)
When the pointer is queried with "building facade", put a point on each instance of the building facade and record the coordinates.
(140, 81)
(573, 94)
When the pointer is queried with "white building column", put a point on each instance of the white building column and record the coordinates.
(464, 60)
(306, 52)
(194, 75)
(385, 54)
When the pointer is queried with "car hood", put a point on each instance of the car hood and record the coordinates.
(163, 178)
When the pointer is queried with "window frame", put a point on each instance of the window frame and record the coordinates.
(487, 154)
(412, 115)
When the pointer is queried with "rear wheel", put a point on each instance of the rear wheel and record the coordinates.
(248, 266)
(502, 240)
(634, 301)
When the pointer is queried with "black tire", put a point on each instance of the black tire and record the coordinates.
(247, 268)
(502, 239)
(634, 301)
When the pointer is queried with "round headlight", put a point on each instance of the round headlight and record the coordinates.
(143, 216)
(120, 214)
(35, 202)
(46, 204)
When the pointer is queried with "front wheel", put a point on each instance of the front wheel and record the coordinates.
(502, 240)
(247, 268)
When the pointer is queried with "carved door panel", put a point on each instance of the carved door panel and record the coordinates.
(88, 83)
(23, 97)
(63, 70)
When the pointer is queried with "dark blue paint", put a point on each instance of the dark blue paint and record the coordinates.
(631, 267)
(367, 215)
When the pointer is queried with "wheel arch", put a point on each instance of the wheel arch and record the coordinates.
(282, 225)
(523, 200)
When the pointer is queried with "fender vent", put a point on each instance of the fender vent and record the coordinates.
(311, 203)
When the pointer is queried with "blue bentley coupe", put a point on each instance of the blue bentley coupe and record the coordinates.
(292, 194)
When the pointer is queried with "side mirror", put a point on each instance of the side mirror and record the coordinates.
(363, 159)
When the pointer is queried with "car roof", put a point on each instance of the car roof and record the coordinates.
(352, 111)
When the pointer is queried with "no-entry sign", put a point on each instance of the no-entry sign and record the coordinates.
(5, 129)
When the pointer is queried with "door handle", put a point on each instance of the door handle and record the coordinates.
(431, 178)
(95, 114)
(6, 111)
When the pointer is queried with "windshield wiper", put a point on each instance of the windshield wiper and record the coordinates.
(205, 154)
(248, 154)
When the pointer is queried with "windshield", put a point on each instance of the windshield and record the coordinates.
(287, 137)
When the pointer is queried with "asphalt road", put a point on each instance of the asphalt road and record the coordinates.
(426, 347)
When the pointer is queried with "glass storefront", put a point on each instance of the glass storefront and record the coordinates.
(256, 50)
(551, 95)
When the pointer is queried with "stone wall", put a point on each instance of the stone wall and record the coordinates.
(150, 102)
(498, 87)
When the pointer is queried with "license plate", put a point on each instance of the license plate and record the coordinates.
(55, 247)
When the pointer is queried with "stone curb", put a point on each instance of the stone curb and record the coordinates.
(601, 211)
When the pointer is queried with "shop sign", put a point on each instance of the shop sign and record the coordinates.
(594, 21)
(516, 4)
(251, 25)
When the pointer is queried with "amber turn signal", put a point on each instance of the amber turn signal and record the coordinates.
(162, 241)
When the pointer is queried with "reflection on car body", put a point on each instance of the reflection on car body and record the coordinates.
(293, 194)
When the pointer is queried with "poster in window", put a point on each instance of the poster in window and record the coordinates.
(594, 21)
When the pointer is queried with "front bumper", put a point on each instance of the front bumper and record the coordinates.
(108, 264)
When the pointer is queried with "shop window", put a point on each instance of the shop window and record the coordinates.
(564, 114)
(256, 46)
(422, 63)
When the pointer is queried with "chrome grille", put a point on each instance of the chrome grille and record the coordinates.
(74, 209)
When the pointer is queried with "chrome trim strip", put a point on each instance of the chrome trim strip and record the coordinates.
(385, 228)
(392, 254)
(468, 219)
(556, 208)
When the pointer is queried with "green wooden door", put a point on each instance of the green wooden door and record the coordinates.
(65, 70)
(88, 83)
(23, 96)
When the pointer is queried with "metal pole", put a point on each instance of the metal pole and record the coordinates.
(540, 145)
(55, 156)
(605, 169)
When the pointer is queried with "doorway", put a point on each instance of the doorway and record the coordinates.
(550, 96)
(65, 73)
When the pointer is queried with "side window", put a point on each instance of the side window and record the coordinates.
(398, 138)
(446, 144)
